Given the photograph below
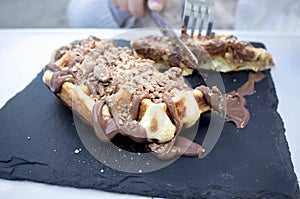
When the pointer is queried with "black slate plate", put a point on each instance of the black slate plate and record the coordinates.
(38, 140)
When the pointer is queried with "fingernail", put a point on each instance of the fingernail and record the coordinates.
(155, 5)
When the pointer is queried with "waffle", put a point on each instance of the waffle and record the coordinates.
(226, 51)
(117, 92)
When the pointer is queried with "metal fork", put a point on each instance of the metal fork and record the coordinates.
(183, 51)
(198, 14)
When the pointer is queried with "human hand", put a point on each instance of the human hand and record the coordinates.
(136, 7)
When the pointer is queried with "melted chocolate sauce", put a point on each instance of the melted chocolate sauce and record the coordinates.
(177, 119)
(136, 100)
(234, 102)
(236, 110)
(107, 129)
(176, 147)
(60, 76)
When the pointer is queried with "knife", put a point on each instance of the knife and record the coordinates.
(166, 30)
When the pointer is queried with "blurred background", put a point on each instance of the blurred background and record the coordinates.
(33, 14)
(271, 15)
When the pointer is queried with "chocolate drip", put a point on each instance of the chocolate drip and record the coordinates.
(105, 129)
(176, 147)
(120, 109)
(136, 100)
(188, 147)
(177, 119)
(236, 110)
(213, 97)
(59, 53)
(234, 102)
(60, 76)
(248, 87)
(52, 67)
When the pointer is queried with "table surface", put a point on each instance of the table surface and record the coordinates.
(23, 48)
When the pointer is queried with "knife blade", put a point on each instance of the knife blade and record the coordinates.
(168, 31)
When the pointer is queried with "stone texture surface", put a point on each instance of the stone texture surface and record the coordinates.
(38, 142)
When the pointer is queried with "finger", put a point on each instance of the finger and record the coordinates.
(156, 5)
(122, 5)
(136, 7)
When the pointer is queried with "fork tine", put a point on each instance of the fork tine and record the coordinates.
(186, 17)
(205, 17)
(194, 19)
(186, 20)
(210, 25)
(201, 20)
(210, 20)
(197, 15)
